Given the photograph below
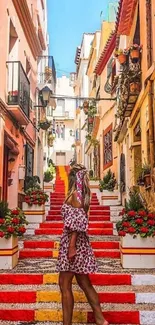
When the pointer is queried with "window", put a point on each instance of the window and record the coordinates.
(60, 109)
(49, 111)
(149, 32)
(107, 147)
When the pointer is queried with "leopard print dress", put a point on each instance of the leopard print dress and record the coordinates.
(75, 219)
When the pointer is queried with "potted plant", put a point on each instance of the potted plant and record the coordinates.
(85, 107)
(137, 230)
(146, 170)
(121, 56)
(94, 142)
(135, 87)
(44, 124)
(34, 201)
(135, 51)
(13, 97)
(51, 138)
(4, 210)
(12, 226)
(88, 137)
(108, 183)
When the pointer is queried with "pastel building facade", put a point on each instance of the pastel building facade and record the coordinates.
(23, 38)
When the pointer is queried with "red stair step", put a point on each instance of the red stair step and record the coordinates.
(54, 231)
(96, 218)
(100, 225)
(97, 279)
(50, 244)
(30, 297)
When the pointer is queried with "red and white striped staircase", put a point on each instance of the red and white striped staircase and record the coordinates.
(29, 294)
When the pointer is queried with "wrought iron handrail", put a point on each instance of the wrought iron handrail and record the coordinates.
(18, 86)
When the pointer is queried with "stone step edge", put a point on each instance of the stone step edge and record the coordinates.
(97, 279)
(37, 296)
(135, 317)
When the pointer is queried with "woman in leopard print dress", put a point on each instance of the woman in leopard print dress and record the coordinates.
(76, 257)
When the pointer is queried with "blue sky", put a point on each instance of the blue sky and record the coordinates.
(67, 21)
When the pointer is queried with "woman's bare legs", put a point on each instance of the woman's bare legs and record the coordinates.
(92, 296)
(65, 283)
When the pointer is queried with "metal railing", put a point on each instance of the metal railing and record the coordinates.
(18, 86)
(46, 70)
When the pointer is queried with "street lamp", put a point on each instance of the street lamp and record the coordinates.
(44, 95)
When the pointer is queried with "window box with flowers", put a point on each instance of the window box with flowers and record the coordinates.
(34, 205)
(12, 226)
(137, 232)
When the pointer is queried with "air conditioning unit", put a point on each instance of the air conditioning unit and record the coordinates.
(21, 172)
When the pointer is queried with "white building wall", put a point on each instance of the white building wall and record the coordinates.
(64, 117)
(83, 83)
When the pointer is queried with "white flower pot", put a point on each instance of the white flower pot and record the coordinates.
(110, 197)
(34, 213)
(138, 253)
(94, 186)
(8, 253)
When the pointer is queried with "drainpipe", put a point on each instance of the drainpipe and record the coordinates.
(151, 124)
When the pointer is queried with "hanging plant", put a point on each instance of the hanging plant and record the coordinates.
(135, 51)
(50, 140)
(88, 137)
(86, 107)
(121, 56)
(94, 142)
(44, 124)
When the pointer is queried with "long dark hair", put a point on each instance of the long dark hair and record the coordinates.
(72, 185)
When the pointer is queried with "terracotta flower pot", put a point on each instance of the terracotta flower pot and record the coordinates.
(147, 180)
(134, 54)
(90, 120)
(122, 58)
(134, 87)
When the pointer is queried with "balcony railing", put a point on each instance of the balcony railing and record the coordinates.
(18, 86)
(46, 70)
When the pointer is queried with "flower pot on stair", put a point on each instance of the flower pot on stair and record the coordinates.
(137, 252)
(8, 252)
(34, 213)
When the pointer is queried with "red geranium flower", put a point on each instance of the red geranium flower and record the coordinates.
(131, 230)
(10, 229)
(121, 213)
(1, 221)
(16, 221)
(122, 233)
(22, 229)
(142, 213)
(1, 234)
(126, 224)
(151, 222)
(151, 215)
(131, 213)
(139, 221)
(144, 230)
(15, 212)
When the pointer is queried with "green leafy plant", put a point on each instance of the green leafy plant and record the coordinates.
(108, 183)
(135, 202)
(37, 197)
(13, 224)
(88, 137)
(91, 173)
(44, 124)
(94, 142)
(3, 209)
(32, 182)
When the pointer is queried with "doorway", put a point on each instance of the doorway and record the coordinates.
(5, 174)
(60, 159)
